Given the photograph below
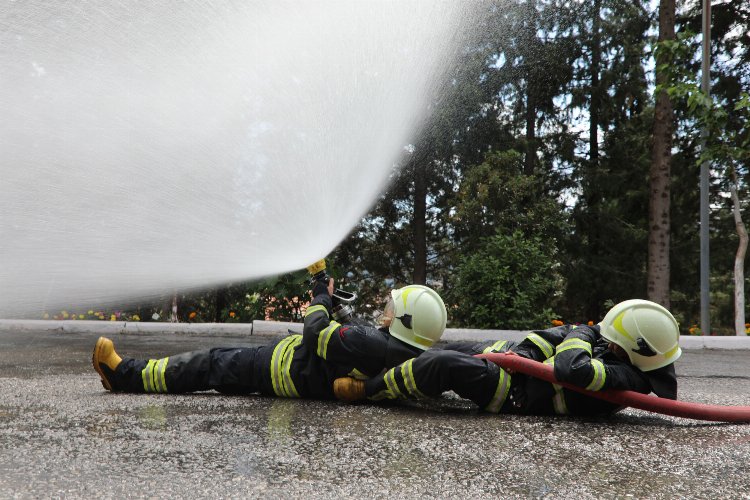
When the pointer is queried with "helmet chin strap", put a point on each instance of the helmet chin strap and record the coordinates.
(643, 348)
(405, 320)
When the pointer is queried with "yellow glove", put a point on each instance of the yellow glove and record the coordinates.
(349, 389)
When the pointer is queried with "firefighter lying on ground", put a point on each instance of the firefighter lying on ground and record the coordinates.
(299, 366)
(633, 348)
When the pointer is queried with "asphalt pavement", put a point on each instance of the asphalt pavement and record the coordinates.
(63, 436)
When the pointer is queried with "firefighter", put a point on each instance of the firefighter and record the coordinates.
(297, 366)
(633, 348)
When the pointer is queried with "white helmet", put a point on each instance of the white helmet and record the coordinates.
(646, 331)
(419, 316)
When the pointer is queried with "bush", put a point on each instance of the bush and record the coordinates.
(509, 282)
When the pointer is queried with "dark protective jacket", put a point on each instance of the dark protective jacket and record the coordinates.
(296, 366)
(327, 350)
(578, 353)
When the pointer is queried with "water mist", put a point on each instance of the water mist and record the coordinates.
(152, 146)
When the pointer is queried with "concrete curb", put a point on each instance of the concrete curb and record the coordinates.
(277, 328)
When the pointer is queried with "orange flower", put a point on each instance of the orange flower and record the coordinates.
(590, 323)
(232, 314)
(192, 315)
(557, 322)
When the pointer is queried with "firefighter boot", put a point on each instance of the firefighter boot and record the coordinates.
(105, 361)
(349, 389)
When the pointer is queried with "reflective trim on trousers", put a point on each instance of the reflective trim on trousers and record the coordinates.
(501, 393)
(153, 375)
(558, 400)
(281, 363)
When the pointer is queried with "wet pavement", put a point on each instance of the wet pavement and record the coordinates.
(62, 435)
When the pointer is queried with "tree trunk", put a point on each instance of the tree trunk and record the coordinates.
(739, 261)
(173, 313)
(420, 223)
(592, 187)
(221, 301)
(530, 57)
(596, 57)
(659, 178)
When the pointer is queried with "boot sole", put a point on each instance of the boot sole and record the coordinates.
(95, 361)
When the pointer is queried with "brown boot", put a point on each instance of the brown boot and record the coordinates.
(349, 389)
(105, 360)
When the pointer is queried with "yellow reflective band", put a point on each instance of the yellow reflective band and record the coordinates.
(357, 374)
(600, 375)
(574, 344)
(672, 351)
(324, 337)
(289, 388)
(407, 373)
(617, 324)
(316, 308)
(390, 381)
(501, 393)
(152, 374)
(146, 376)
(558, 400)
(157, 375)
(422, 341)
(496, 347)
(281, 363)
(546, 348)
(384, 394)
(276, 363)
(406, 293)
(163, 374)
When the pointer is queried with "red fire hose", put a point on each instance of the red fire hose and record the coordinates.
(655, 404)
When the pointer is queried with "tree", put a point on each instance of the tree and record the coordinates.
(659, 175)
(506, 283)
(605, 257)
(507, 230)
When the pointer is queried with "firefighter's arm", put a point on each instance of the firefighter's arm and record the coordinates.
(574, 364)
(361, 347)
(317, 316)
(540, 344)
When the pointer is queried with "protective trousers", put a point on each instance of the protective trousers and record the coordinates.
(437, 371)
(228, 370)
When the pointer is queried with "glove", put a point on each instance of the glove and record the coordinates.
(349, 389)
(320, 287)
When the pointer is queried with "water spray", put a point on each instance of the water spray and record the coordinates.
(158, 146)
(342, 300)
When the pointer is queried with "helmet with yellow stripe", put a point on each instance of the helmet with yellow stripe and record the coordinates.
(646, 331)
(417, 315)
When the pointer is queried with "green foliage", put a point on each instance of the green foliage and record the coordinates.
(508, 282)
(496, 195)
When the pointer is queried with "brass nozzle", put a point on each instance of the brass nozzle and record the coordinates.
(317, 267)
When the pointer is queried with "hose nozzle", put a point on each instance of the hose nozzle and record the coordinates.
(317, 270)
(342, 300)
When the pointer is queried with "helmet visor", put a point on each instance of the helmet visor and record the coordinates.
(389, 311)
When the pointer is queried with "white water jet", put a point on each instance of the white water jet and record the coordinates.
(151, 146)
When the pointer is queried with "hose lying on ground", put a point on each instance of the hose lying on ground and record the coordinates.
(646, 402)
